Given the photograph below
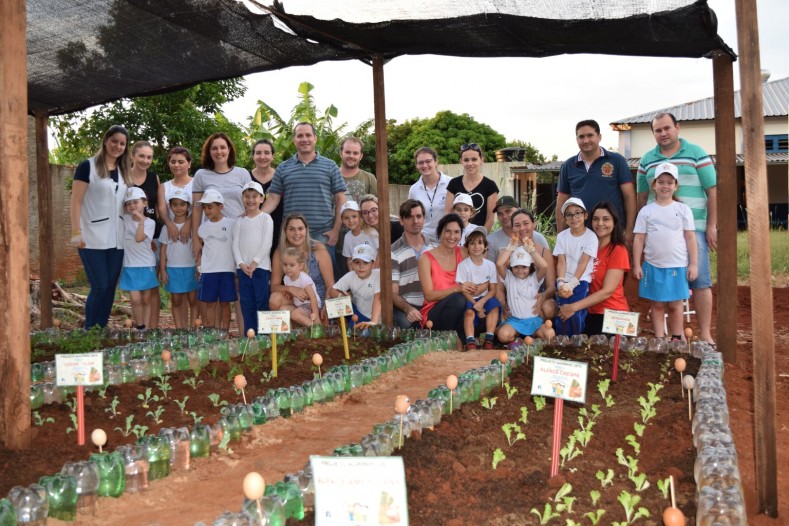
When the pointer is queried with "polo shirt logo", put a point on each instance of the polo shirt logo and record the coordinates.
(607, 170)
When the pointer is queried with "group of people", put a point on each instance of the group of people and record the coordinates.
(290, 237)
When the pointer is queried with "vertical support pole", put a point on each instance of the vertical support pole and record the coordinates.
(382, 174)
(14, 270)
(759, 246)
(45, 228)
(726, 166)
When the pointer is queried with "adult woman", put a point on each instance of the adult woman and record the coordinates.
(523, 226)
(263, 172)
(148, 181)
(368, 204)
(606, 290)
(445, 304)
(482, 190)
(97, 196)
(296, 233)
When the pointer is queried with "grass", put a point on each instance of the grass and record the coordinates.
(779, 255)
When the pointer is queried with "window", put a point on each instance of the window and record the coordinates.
(776, 143)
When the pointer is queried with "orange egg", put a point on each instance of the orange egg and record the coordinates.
(504, 357)
(429, 324)
(198, 323)
(166, 355)
(548, 324)
(688, 333)
(680, 364)
(528, 340)
(673, 517)
(128, 323)
(452, 382)
(56, 323)
(240, 381)
(254, 486)
(354, 318)
(251, 333)
(317, 359)
(402, 403)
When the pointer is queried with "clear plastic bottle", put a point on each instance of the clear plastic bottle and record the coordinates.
(135, 459)
(31, 504)
(86, 474)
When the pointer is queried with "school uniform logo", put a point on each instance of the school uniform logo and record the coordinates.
(607, 170)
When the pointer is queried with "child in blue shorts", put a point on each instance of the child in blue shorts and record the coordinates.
(480, 271)
(216, 263)
(177, 266)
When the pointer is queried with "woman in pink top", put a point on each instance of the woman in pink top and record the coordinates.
(445, 304)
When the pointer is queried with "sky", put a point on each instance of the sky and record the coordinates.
(534, 100)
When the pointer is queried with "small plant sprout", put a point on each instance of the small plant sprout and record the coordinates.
(163, 383)
(488, 403)
(508, 432)
(74, 425)
(99, 438)
(639, 429)
(639, 479)
(240, 382)
(569, 451)
(547, 514)
(197, 418)
(539, 402)
(113, 408)
(317, 361)
(603, 386)
(193, 382)
(583, 436)
(156, 415)
(38, 421)
(510, 390)
(148, 397)
(103, 389)
(216, 401)
(631, 439)
(498, 456)
(266, 377)
(524, 415)
(452, 383)
(664, 486)
(595, 516)
(595, 496)
(629, 503)
(606, 479)
(128, 429)
(139, 431)
(182, 404)
(503, 359)
(563, 499)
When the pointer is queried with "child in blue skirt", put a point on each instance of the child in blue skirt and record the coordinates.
(139, 262)
(177, 266)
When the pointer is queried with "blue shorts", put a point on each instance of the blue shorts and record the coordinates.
(663, 284)
(217, 286)
(704, 278)
(491, 304)
(574, 324)
(181, 280)
(525, 326)
(138, 278)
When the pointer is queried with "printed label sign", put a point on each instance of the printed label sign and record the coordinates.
(359, 491)
(79, 369)
(273, 321)
(620, 322)
(563, 379)
(337, 307)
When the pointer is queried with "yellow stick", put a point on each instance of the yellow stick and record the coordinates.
(344, 338)
(274, 354)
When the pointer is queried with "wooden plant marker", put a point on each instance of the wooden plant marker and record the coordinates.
(619, 323)
(339, 308)
(79, 370)
(274, 322)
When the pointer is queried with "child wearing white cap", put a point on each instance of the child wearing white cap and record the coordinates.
(177, 266)
(252, 235)
(359, 232)
(363, 284)
(665, 238)
(139, 263)
(576, 248)
(463, 206)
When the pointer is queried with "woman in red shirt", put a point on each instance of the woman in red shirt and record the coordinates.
(606, 290)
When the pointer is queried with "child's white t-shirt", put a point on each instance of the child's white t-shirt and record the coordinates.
(170, 189)
(252, 240)
(302, 282)
(477, 274)
(522, 294)
(217, 246)
(137, 254)
(178, 254)
(362, 290)
(665, 226)
(364, 238)
(573, 248)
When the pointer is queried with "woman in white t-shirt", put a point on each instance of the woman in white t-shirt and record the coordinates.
(179, 161)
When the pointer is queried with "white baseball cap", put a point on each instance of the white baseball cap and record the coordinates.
(363, 252)
(349, 205)
(573, 201)
(212, 196)
(134, 192)
(463, 199)
(181, 194)
(253, 185)
(667, 168)
(520, 257)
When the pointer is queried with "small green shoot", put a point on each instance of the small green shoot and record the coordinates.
(139, 431)
(563, 499)
(73, 426)
(508, 432)
(488, 403)
(606, 479)
(148, 397)
(214, 397)
(113, 408)
(128, 430)
(223, 444)
(193, 382)
(664, 486)
(595, 516)
(569, 451)
(629, 503)
(524, 415)
(639, 429)
(163, 383)
(498, 456)
(182, 404)
(103, 389)
(197, 418)
(38, 421)
(547, 515)
(156, 415)
(539, 402)
(510, 390)
(595, 496)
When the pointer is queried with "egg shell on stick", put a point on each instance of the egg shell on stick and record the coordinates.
(317, 359)
(673, 517)
(402, 403)
(251, 333)
(240, 381)
(254, 486)
(98, 437)
(166, 355)
(680, 364)
(689, 382)
(528, 340)
(688, 333)
(198, 322)
(548, 324)
(128, 324)
(452, 382)
(429, 324)
(504, 357)
(56, 323)
(354, 318)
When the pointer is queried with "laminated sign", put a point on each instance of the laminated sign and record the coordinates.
(563, 379)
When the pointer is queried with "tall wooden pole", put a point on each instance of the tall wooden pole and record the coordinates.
(382, 174)
(759, 245)
(14, 272)
(46, 232)
(726, 166)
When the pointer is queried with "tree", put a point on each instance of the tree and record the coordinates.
(181, 118)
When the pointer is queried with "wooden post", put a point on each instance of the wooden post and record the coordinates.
(45, 228)
(726, 166)
(14, 271)
(759, 246)
(382, 174)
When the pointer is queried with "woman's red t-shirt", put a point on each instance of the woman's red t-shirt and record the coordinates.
(609, 259)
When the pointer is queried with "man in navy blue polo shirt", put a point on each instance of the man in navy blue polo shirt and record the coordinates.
(596, 175)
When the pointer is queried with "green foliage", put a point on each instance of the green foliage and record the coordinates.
(629, 503)
(79, 342)
(508, 432)
(163, 383)
(510, 390)
(192, 382)
(148, 397)
(214, 397)
(498, 456)
(606, 479)
(182, 404)
(547, 515)
(488, 403)
(113, 408)
(128, 429)
(39, 421)
(539, 402)
(156, 415)
(74, 425)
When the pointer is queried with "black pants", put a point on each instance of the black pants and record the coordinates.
(447, 314)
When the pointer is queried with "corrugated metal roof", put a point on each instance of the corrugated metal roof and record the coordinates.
(772, 158)
(775, 97)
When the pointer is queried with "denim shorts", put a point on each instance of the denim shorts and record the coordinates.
(704, 278)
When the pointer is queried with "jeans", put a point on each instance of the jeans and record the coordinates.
(575, 323)
(401, 320)
(447, 314)
(103, 268)
(704, 279)
(253, 294)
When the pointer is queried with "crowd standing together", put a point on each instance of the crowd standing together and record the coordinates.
(288, 238)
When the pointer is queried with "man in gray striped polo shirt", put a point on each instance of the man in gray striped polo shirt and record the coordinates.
(407, 293)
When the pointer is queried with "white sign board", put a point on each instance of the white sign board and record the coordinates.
(620, 322)
(359, 491)
(563, 379)
(273, 322)
(79, 369)
(339, 307)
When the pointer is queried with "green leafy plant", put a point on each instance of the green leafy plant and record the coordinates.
(629, 503)
(73, 426)
(128, 429)
(547, 514)
(498, 456)
(524, 415)
(148, 397)
(163, 383)
(214, 372)
(639, 479)
(569, 451)
(563, 499)
(603, 386)
(139, 431)
(508, 432)
(39, 421)
(102, 391)
(193, 382)
(113, 408)
(214, 397)
(488, 403)
(639, 429)
(595, 496)
(156, 415)
(606, 479)
(633, 441)
(234, 371)
(197, 418)
(539, 402)
(510, 390)
(223, 444)
(266, 377)
(583, 436)
(182, 404)
(664, 486)
(594, 516)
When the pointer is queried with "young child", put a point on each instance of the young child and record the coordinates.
(252, 235)
(359, 232)
(363, 283)
(480, 271)
(464, 207)
(665, 238)
(177, 266)
(576, 248)
(522, 281)
(139, 263)
(303, 311)
(215, 263)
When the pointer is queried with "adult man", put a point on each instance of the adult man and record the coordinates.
(430, 190)
(407, 295)
(596, 175)
(697, 189)
(312, 185)
(500, 238)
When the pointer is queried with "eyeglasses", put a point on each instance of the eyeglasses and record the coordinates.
(470, 146)
(573, 215)
(426, 161)
(369, 212)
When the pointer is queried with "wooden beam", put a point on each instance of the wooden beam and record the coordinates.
(726, 165)
(759, 246)
(14, 271)
(46, 231)
(382, 174)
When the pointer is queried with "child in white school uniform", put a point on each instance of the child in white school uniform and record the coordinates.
(480, 271)
(359, 232)
(363, 284)
(304, 311)
(463, 206)
(139, 262)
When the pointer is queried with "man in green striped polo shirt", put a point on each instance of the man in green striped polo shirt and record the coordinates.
(697, 189)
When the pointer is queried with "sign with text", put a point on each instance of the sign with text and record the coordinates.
(79, 369)
(359, 491)
(338, 307)
(563, 379)
(620, 322)
(273, 321)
